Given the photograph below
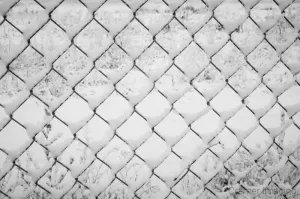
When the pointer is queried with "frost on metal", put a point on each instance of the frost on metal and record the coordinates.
(149, 99)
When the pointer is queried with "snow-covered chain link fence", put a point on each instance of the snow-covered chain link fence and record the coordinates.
(124, 99)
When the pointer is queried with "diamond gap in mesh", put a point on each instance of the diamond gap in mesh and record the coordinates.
(242, 123)
(230, 13)
(220, 184)
(14, 148)
(287, 177)
(170, 169)
(255, 179)
(278, 79)
(208, 125)
(55, 136)
(154, 61)
(273, 160)
(173, 84)
(135, 173)
(91, 136)
(172, 128)
(13, 92)
(53, 89)
(30, 66)
(206, 166)
(135, 131)
(266, 13)
(275, 120)
(115, 110)
(39, 192)
(17, 183)
(282, 35)
(154, 14)
(154, 107)
(212, 37)
(258, 147)
(229, 59)
(77, 157)
(71, 15)
(58, 180)
(263, 58)
(233, 103)
(97, 177)
(75, 112)
(114, 15)
(135, 86)
(192, 60)
(114, 63)
(209, 82)
(247, 36)
(33, 114)
(189, 148)
(191, 105)
(36, 160)
(225, 144)
(73, 65)
(193, 14)
(173, 38)
(245, 80)
(28, 16)
(95, 88)
(51, 41)
(93, 40)
(134, 39)
(154, 151)
(115, 154)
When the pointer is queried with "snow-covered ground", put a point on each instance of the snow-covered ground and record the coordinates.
(149, 99)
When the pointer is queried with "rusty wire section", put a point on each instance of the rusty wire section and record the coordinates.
(149, 99)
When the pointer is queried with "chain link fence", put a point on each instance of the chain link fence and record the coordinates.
(149, 99)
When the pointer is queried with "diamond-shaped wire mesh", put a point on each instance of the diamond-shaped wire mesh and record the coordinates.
(149, 99)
